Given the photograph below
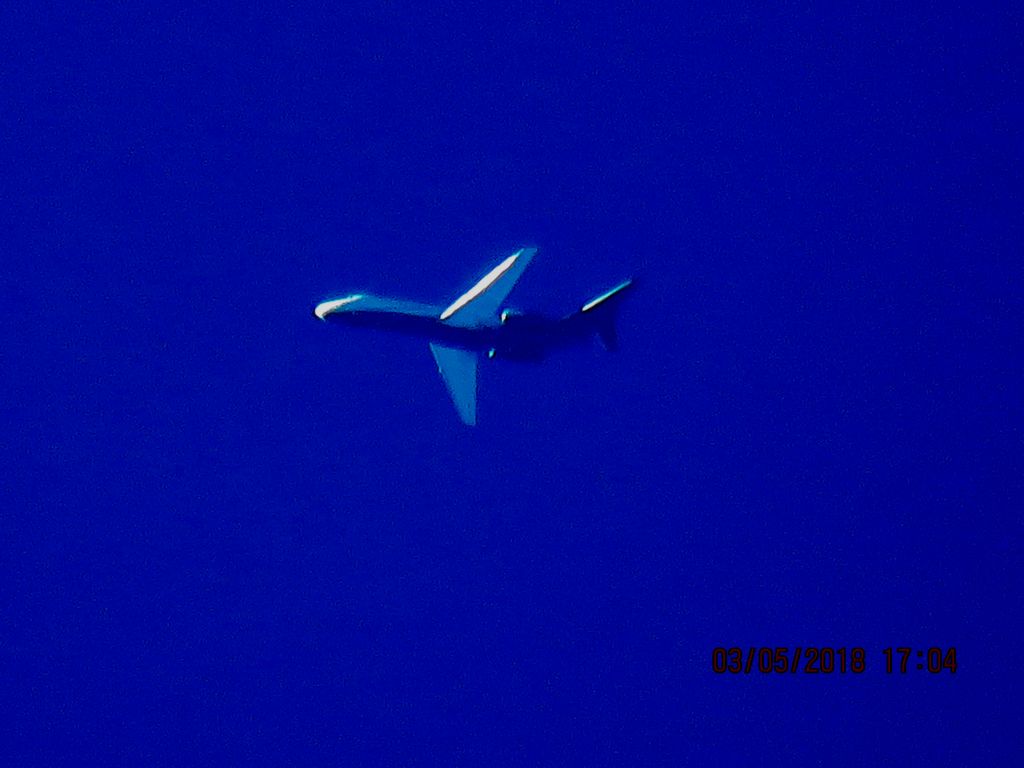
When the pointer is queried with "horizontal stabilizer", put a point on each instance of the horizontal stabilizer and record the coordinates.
(607, 297)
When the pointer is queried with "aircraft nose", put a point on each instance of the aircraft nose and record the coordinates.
(324, 308)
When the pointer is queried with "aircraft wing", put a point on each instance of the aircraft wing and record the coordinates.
(458, 369)
(481, 303)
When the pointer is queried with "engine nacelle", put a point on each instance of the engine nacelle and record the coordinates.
(521, 337)
(522, 321)
(519, 354)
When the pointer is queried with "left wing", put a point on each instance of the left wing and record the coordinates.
(481, 303)
(458, 369)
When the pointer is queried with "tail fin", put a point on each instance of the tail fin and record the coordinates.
(599, 314)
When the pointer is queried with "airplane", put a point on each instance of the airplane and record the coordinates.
(476, 323)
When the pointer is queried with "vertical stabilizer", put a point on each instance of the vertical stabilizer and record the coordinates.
(607, 334)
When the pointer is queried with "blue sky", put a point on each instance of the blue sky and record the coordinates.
(232, 534)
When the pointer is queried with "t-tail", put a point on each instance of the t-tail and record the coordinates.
(598, 314)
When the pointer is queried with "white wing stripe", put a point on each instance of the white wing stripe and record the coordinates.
(486, 282)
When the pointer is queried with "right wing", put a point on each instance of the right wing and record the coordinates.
(481, 303)
(458, 369)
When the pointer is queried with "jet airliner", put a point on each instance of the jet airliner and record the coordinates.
(476, 323)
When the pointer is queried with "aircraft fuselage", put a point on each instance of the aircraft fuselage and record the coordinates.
(518, 337)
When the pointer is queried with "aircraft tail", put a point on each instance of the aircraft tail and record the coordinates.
(599, 314)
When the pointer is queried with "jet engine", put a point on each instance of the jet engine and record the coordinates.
(514, 319)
